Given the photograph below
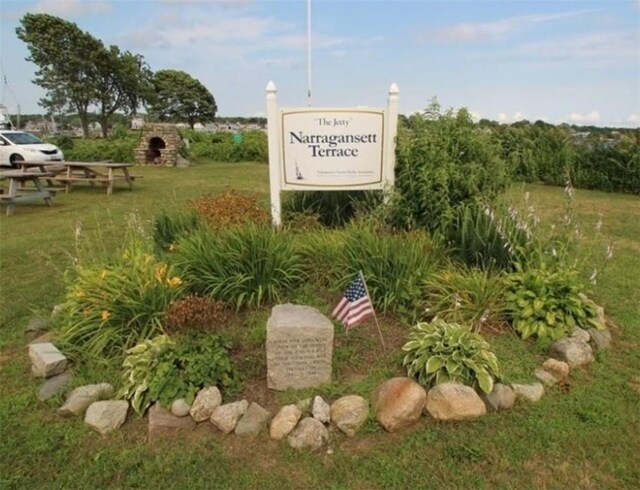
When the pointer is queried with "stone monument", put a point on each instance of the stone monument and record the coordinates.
(299, 347)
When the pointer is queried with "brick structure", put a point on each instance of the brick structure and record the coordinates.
(159, 145)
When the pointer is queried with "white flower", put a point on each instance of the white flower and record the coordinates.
(609, 253)
(599, 223)
(593, 276)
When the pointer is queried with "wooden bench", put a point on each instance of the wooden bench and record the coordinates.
(11, 200)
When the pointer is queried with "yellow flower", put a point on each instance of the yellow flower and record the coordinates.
(103, 274)
(105, 315)
(174, 282)
(161, 270)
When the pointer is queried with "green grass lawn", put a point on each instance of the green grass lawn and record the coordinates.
(583, 436)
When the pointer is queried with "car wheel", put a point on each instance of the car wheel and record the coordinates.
(15, 159)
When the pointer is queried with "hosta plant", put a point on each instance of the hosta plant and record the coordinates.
(163, 370)
(441, 352)
(547, 303)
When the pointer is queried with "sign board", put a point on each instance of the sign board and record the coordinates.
(349, 148)
(329, 149)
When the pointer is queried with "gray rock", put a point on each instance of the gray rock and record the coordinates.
(501, 398)
(601, 338)
(573, 351)
(46, 360)
(309, 434)
(56, 385)
(35, 328)
(452, 401)
(532, 392)
(80, 399)
(226, 417)
(163, 424)
(559, 369)
(207, 400)
(299, 347)
(106, 416)
(398, 403)
(580, 334)
(546, 377)
(284, 422)
(254, 421)
(349, 413)
(180, 408)
(321, 410)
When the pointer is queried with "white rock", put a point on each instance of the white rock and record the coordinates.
(452, 401)
(225, 417)
(46, 360)
(532, 392)
(207, 400)
(501, 398)
(580, 334)
(349, 413)
(180, 408)
(573, 351)
(321, 410)
(106, 416)
(309, 434)
(546, 377)
(284, 422)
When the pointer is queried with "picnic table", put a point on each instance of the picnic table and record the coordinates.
(68, 173)
(19, 189)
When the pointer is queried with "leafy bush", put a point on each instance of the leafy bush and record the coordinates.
(118, 149)
(482, 237)
(243, 265)
(441, 352)
(332, 208)
(222, 147)
(114, 305)
(469, 296)
(162, 370)
(229, 209)
(546, 302)
(443, 161)
(195, 312)
(169, 226)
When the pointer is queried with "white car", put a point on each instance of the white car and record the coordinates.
(17, 146)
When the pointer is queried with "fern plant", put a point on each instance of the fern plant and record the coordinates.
(441, 352)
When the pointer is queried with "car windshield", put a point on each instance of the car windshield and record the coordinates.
(22, 139)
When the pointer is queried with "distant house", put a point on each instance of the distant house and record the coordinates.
(137, 122)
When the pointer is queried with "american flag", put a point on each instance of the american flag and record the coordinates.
(355, 307)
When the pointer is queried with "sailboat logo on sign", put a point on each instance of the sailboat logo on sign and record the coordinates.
(299, 175)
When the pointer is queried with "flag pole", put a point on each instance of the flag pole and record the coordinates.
(375, 317)
(309, 53)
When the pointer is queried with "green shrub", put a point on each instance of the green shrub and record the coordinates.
(222, 147)
(483, 237)
(113, 305)
(546, 302)
(243, 265)
(169, 226)
(468, 296)
(161, 370)
(395, 266)
(118, 149)
(441, 352)
(332, 208)
(443, 161)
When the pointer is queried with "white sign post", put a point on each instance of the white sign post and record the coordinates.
(330, 149)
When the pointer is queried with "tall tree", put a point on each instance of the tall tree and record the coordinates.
(123, 82)
(180, 97)
(63, 53)
(77, 70)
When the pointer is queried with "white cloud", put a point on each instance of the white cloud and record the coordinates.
(473, 32)
(606, 45)
(634, 118)
(591, 117)
(518, 116)
(72, 8)
(502, 117)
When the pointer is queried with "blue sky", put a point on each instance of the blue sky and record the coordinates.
(560, 61)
